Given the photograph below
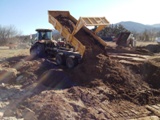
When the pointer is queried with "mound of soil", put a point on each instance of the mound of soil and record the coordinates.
(153, 48)
(98, 67)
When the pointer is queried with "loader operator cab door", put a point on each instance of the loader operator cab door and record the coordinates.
(44, 34)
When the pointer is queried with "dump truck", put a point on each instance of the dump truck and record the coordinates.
(72, 52)
(125, 39)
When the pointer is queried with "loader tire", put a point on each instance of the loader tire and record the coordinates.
(38, 51)
(33, 52)
(71, 62)
(60, 59)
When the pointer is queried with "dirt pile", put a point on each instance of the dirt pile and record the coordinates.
(97, 68)
(103, 89)
(127, 83)
(80, 103)
(18, 70)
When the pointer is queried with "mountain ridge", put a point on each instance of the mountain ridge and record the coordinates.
(139, 27)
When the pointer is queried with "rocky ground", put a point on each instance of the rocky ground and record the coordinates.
(121, 85)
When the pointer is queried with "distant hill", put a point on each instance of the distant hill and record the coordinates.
(156, 25)
(138, 27)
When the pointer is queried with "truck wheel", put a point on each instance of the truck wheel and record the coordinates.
(60, 59)
(71, 62)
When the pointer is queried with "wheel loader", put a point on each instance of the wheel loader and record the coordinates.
(72, 51)
(45, 47)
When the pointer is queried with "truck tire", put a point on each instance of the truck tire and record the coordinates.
(60, 59)
(71, 62)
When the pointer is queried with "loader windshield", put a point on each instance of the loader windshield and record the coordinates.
(45, 35)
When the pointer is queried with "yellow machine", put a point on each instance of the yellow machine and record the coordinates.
(68, 27)
(101, 22)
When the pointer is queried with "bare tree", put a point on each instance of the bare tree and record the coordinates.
(152, 34)
(158, 34)
(8, 33)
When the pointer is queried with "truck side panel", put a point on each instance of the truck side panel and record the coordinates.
(69, 36)
(88, 31)
(65, 33)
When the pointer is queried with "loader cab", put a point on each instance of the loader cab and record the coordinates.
(44, 34)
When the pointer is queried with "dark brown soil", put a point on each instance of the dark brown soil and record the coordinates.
(97, 67)
(101, 88)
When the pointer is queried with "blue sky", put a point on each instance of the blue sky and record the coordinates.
(27, 15)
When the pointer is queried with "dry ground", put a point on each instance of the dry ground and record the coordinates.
(119, 86)
(138, 43)
(5, 52)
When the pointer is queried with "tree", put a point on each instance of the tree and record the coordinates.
(7, 33)
(112, 30)
(145, 36)
(158, 34)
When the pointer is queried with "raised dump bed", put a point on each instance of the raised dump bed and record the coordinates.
(68, 26)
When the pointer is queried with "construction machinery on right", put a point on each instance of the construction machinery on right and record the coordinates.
(125, 39)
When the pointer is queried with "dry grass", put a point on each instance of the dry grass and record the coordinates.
(140, 43)
(7, 53)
